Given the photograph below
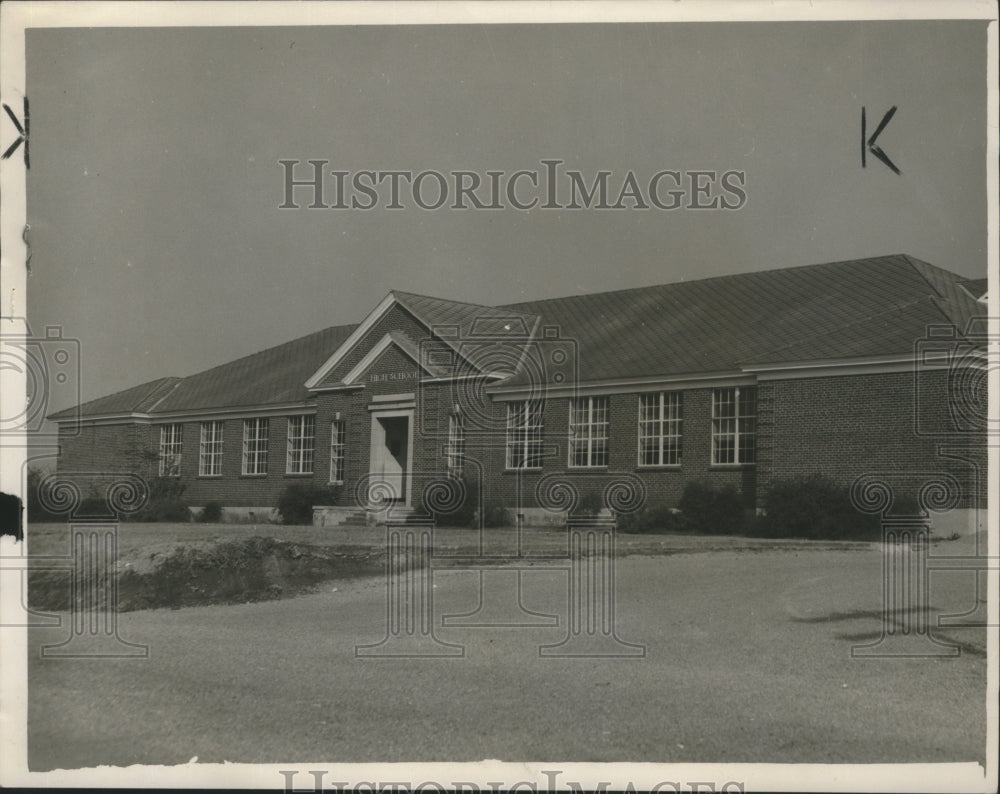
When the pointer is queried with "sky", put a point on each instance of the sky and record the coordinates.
(156, 238)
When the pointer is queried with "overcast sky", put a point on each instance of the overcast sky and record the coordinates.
(154, 187)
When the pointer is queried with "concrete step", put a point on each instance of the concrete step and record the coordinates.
(335, 516)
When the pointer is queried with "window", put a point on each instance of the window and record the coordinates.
(170, 450)
(337, 440)
(524, 435)
(588, 432)
(255, 446)
(456, 443)
(660, 429)
(301, 444)
(210, 450)
(734, 425)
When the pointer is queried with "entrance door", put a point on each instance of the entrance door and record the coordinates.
(390, 448)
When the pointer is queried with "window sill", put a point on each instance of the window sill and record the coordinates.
(604, 469)
(253, 476)
(298, 474)
(730, 466)
(209, 476)
(658, 467)
(525, 468)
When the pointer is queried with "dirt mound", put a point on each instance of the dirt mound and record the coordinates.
(237, 571)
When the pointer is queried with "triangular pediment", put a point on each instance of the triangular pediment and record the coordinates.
(393, 358)
(436, 333)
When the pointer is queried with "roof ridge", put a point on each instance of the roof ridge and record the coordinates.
(923, 269)
(167, 392)
(726, 276)
(397, 292)
(955, 304)
(152, 385)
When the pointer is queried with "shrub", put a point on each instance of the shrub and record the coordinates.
(297, 500)
(905, 504)
(813, 506)
(174, 511)
(590, 504)
(496, 515)
(34, 504)
(711, 511)
(165, 502)
(465, 514)
(656, 520)
(211, 513)
(90, 506)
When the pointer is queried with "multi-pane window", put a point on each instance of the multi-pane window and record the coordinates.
(660, 429)
(588, 432)
(456, 443)
(170, 450)
(734, 425)
(255, 445)
(524, 434)
(338, 438)
(210, 450)
(301, 444)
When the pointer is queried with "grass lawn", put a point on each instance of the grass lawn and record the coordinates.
(136, 540)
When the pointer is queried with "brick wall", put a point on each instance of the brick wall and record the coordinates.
(233, 488)
(841, 426)
(107, 449)
(853, 425)
(663, 484)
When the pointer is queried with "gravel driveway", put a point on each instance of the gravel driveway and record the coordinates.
(747, 658)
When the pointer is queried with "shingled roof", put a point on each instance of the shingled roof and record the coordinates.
(864, 308)
(868, 307)
(138, 399)
(470, 319)
(976, 287)
(271, 377)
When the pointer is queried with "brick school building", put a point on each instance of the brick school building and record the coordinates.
(867, 367)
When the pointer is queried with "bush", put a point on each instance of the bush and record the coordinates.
(296, 503)
(590, 504)
(813, 506)
(35, 510)
(90, 506)
(165, 502)
(173, 511)
(211, 513)
(496, 515)
(711, 511)
(465, 514)
(656, 520)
